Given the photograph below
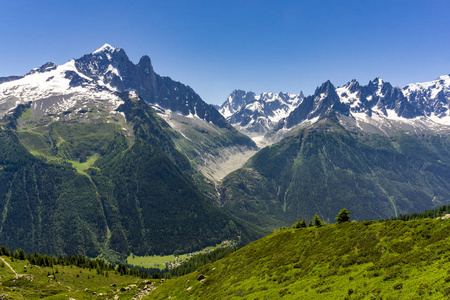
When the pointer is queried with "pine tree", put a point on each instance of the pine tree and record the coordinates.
(343, 216)
(317, 221)
(297, 224)
(303, 223)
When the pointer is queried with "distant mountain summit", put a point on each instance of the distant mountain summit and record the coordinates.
(324, 101)
(431, 98)
(254, 114)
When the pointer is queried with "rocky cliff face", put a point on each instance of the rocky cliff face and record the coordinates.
(112, 67)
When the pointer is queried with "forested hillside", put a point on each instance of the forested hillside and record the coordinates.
(96, 188)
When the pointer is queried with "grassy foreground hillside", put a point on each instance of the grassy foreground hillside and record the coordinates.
(19, 279)
(366, 260)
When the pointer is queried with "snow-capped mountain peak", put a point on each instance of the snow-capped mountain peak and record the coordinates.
(236, 101)
(377, 81)
(105, 48)
(378, 99)
(349, 93)
(55, 89)
(437, 85)
(432, 98)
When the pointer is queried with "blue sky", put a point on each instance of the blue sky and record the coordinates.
(218, 46)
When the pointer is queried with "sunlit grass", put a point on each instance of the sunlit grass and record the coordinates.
(84, 166)
(157, 261)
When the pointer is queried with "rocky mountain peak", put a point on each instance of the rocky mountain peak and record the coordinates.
(44, 68)
(145, 62)
(324, 88)
(236, 101)
(326, 99)
(353, 86)
(112, 67)
(376, 81)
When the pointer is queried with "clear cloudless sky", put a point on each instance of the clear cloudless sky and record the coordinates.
(218, 46)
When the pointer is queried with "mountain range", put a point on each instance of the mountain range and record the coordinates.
(102, 156)
(263, 116)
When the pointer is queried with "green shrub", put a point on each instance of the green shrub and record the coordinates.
(324, 290)
(392, 273)
(398, 286)
(369, 222)
(446, 291)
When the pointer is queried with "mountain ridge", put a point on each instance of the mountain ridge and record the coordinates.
(137, 142)
(109, 69)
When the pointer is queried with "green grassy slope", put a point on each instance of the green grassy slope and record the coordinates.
(70, 141)
(366, 260)
(325, 167)
(66, 282)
